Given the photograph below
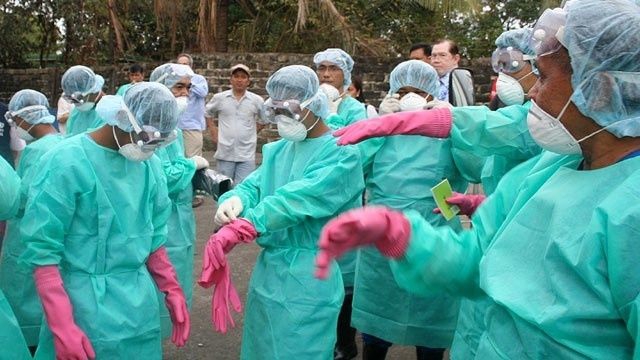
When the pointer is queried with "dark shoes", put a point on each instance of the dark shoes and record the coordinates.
(346, 353)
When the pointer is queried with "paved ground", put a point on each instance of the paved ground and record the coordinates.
(204, 342)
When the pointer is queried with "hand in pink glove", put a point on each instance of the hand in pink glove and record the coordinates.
(433, 123)
(165, 277)
(221, 243)
(69, 340)
(467, 203)
(387, 229)
(216, 271)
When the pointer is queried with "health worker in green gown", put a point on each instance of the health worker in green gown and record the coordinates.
(82, 88)
(11, 339)
(404, 170)
(94, 228)
(514, 61)
(334, 67)
(29, 113)
(554, 248)
(181, 226)
(304, 180)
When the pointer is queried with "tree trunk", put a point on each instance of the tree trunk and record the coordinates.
(221, 26)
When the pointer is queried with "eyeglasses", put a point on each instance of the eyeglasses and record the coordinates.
(548, 32)
(329, 68)
(78, 98)
(11, 116)
(291, 108)
(508, 60)
(148, 137)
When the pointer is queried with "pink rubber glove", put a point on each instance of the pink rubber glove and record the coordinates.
(387, 229)
(433, 123)
(235, 232)
(216, 271)
(69, 340)
(467, 203)
(165, 277)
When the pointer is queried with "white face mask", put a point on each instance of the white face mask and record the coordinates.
(291, 129)
(509, 90)
(132, 151)
(332, 93)
(24, 134)
(412, 101)
(549, 132)
(182, 101)
(85, 106)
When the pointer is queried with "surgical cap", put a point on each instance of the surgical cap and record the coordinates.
(31, 106)
(297, 82)
(169, 74)
(603, 41)
(417, 74)
(80, 79)
(338, 57)
(517, 39)
(150, 103)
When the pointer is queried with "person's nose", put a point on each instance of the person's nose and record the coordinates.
(533, 92)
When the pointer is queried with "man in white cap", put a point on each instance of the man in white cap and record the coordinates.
(239, 117)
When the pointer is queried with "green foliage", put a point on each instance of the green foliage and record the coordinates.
(39, 32)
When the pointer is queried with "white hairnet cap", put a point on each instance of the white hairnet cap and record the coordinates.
(169, 74)
(81, 79)
(338, 57)
(603, 41)
(150, 104)
(298, 82)
(31, 106)
(414, 73)
(517, 39)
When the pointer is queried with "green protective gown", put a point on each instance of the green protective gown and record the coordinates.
(350, 111)
(123, 89)
(555, 251)
(83, 121)
(181, 226)
(9, 191)
(404, 171)
(16, 279)
(300, 186)
(98, 216)
(11, 340)
(505, 132)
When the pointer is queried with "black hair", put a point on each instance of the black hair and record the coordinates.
(426, 48)
(136, 68)
(356, 81)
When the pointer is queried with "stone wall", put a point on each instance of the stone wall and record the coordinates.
(374, 71)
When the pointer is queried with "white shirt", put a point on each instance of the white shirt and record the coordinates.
(237, 137)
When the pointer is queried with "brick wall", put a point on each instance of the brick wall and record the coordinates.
(375, 73)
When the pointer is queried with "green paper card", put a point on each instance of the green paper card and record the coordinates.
(440, 193)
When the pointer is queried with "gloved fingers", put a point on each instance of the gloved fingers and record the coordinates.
(436, 210)
(234, 298)
(181, 328)
(88, 348)
(323, 261)
(227, 215)
(220, 310)
(221, 217)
